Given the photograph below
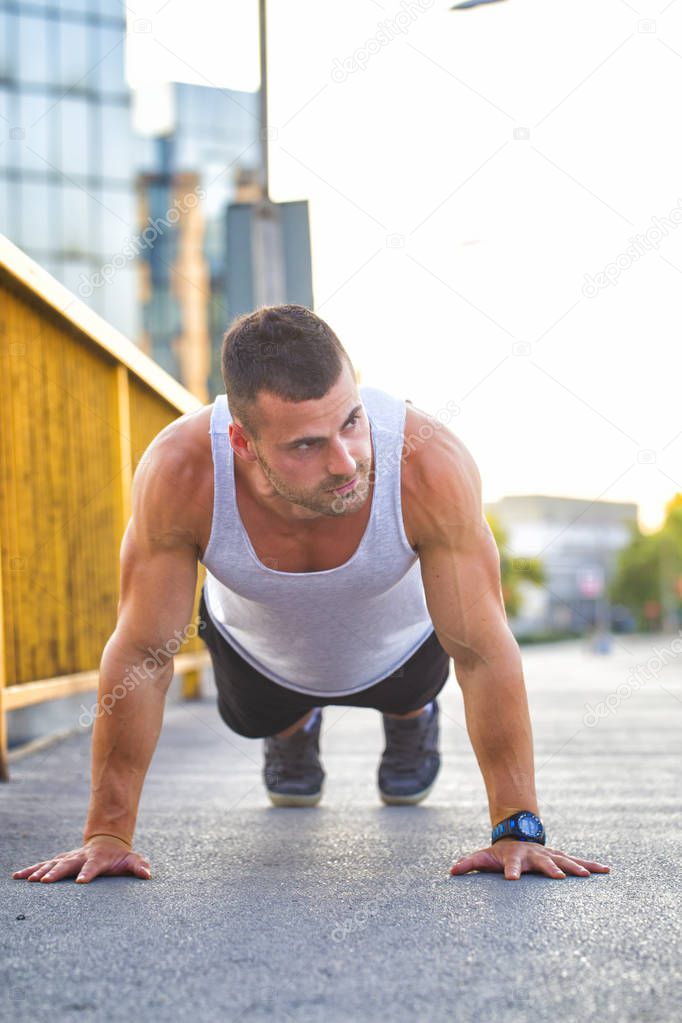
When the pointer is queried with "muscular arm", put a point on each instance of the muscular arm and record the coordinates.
(158, 581)
(159, 556)
(460, 569)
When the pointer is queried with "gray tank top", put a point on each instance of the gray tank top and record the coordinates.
(327, 633)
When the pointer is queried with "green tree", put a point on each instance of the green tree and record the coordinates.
(514, 570)
(648, 576)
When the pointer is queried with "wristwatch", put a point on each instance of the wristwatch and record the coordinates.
(524, 826)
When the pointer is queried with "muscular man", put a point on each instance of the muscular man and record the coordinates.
(348, 559)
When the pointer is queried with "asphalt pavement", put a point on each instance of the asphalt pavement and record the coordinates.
(346, 911)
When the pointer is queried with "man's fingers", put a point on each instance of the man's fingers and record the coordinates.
(135, 864)
(128, 864)
(477, 861)
(463, 865)
(468, 863)
(551, 862)
(540, 863)
(88, 862)
(571, 865)
(531, 863)
(25, 871)
(91, 869)
(43, 869)
(65, 867)
(547, 865)
(593, 865)
(589, 864)
(512, 870)
(144, 865)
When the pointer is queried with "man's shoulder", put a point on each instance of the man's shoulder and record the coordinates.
(173, 482)
(441, 481)
(432, 450)
(181, 448)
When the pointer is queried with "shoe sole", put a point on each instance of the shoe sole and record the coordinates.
(416, 797)
(285, 799)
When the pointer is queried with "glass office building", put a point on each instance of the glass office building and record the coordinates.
(214, 142)
(78, 187)
(67, 150)
(107, 211)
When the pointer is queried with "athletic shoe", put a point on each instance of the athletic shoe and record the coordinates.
(292, 771)
(410, 761)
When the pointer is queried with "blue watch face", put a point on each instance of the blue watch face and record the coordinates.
(529, 825)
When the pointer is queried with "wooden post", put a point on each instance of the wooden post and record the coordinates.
(125, 444)
(4, 763)
(191, 685)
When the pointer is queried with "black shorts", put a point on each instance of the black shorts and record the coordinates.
(253, 705)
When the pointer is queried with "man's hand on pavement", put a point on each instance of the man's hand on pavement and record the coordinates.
(515, 858)
(100, 855)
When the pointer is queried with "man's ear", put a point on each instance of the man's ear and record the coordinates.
(240, 440)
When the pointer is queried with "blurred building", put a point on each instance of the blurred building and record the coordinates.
(577, 542)
(110, 208)
(254, 231)
(208, 146)
(224, 256)
(67, 151)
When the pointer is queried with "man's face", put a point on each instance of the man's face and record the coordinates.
(307, 449)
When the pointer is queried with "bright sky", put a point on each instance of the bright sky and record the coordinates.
(462, 184)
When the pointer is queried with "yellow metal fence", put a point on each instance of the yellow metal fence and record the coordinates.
(79, 405)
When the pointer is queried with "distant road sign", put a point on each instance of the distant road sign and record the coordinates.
(591, 582)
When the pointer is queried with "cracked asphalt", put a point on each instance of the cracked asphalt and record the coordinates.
(346, 911)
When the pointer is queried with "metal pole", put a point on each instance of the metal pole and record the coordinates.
(263, 50)
(266, 240)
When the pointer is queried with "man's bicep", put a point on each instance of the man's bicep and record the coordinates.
(159, 552)
(460, 562)
(463, 593)
(158, 586)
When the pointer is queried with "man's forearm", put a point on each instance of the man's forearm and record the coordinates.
(498, 722)
(126, 730)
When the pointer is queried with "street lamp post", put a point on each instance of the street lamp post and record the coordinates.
(269, 281)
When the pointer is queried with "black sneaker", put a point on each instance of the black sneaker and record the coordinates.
(292, 772)
(410, 761)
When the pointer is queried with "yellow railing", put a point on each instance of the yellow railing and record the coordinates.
(80, 403)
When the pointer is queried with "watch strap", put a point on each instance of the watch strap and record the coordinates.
(509, 827)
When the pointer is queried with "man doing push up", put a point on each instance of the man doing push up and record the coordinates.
(348, 560)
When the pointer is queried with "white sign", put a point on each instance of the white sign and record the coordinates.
(591, 581)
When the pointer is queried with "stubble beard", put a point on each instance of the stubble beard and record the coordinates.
(322, 501)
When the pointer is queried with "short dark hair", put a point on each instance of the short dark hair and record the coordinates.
(286, 350)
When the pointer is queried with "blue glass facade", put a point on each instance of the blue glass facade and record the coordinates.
(67, 154)
(77, 185)
(215, 137)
